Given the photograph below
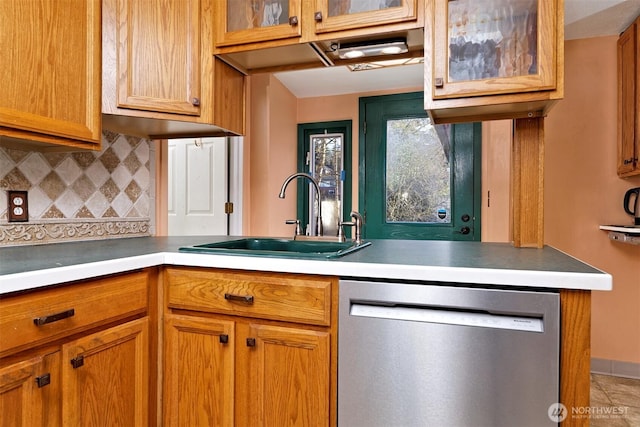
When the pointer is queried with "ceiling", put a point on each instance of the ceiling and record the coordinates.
(583, 19)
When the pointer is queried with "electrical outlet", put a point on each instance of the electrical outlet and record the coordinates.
(18, 210)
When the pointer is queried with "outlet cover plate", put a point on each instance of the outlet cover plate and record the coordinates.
(18, 210)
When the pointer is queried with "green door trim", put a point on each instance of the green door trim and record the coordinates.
(457, 130)
(304, 131)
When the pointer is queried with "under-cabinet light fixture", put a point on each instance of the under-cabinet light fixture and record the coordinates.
(372, 48)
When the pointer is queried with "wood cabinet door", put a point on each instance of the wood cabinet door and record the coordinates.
(29, 392)
(282, 376)
(337, 15)
(249, 21)
(491, 47)
(628, 102)
(198, 373)
(50, 81)
(105, 377)
(158, 54)
(21, 401)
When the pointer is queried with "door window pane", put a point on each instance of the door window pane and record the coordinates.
(418, 183)
(327, 165)
(492, 38)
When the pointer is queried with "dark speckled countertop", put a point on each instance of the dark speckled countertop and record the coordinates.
(29, 267)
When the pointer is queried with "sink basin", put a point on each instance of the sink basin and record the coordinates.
(285, 248)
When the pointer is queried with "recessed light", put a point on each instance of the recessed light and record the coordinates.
(372, 48)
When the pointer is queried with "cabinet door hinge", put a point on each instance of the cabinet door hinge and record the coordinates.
(228, 208)
(364, 128)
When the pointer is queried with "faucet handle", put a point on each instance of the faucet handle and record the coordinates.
(341, 224)
(358, 222)
(298, 231)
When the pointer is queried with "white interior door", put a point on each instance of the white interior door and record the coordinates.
(197, 186)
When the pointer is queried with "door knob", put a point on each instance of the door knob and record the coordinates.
(465, 230)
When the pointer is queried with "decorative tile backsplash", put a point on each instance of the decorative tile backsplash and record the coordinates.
(80, 195)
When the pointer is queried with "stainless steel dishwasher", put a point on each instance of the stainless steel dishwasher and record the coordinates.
(445, 355)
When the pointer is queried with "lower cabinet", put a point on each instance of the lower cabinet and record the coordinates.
(101, 379)
(105, 377)
(28, 394)
(78, 355)
(236, 365)
(199, 371)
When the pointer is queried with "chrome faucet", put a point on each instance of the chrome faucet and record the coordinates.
(319, 228)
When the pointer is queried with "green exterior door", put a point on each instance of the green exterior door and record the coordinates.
(324, 151)
(417, 180)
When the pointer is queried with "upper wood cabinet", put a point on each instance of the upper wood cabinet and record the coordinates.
(249, 21)
(158, 64)
(158, 55)
(50, 86)
(277, 22)
(628, 102)
(338, 15)
(493, 58)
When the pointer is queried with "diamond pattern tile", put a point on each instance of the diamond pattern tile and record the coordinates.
(84, 159)
(97, 173)
(15, 180)
(69, 203)
(39, 202)
(132, 163)
(109, 159)
(5, 164)
(34, 168)
(110, 190)
(121, 176)
(112, 183)
(69, 171)
(53, 186)
(83, 187)
(97, 204)
(121, 147)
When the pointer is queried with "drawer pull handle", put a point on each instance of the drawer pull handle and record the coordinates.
(39, 321)
(77, 362)
(43, 380)
(248, 299)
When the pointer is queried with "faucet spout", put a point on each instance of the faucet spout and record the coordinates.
(319, 228)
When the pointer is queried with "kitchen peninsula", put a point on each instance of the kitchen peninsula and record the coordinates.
(128, 268)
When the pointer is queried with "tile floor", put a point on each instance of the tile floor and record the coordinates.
(615, 401)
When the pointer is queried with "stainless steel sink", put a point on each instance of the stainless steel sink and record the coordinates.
(283, 248)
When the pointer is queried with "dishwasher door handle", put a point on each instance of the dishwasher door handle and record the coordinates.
(459, 317)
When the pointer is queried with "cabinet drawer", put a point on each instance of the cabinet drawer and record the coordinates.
(37, 317)
(287, 297)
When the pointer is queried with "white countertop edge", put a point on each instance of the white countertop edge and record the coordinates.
(483, 276)
(69, 273)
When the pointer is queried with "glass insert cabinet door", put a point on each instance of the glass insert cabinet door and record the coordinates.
(332, 15)
(485, 47)
(248, 21)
